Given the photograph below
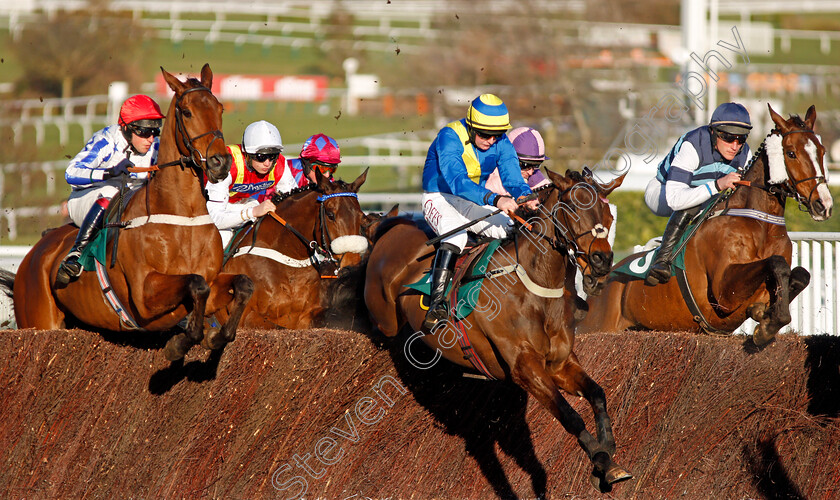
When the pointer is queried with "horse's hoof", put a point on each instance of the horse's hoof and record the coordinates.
(177, 347)
(213, 339)
(616, 475)
(761, 337)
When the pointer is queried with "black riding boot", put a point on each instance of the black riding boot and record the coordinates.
(660, 270)
(70, 269)
(442, 269)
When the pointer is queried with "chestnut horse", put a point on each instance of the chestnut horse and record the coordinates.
(170, 254)
(737, 264)
(523, 325)
(298, 253)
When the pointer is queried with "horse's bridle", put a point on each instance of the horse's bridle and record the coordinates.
(569, 244)
(787, 188)
(195, 156)
(318, 253)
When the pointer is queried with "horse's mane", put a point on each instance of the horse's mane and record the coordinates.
(798, 121)
(297, 190)
(341, 185)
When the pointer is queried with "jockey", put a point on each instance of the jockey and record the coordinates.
(101, 167)
(530, 149)
(703, 162)
(319, 151)
(460, 159)
(245, 194)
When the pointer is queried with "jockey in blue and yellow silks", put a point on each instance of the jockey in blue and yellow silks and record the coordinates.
(459, 161)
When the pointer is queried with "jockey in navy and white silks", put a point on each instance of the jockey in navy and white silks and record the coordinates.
(703, 162)
(101, 167)
(459, 161)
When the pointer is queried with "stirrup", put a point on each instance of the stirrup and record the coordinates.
(68, 271)
(434, 316)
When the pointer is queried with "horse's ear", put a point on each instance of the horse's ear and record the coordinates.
(780, 122)
(175, 84)
(395, 210)
(359, 181)
(207, 76)
(811, 117)
(321, 180)
(558, 180)
(606, 189)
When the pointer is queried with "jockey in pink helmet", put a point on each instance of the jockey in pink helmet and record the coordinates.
(319, 152)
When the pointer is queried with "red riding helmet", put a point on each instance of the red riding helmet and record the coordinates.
(321, 148)
(140, 107)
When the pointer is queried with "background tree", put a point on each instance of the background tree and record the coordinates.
(79, 52)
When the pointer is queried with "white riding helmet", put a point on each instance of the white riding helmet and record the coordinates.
(262, 137)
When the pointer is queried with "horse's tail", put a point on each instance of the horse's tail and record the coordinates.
(7, 282)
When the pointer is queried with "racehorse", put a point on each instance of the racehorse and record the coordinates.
(531, 342)
(737, 264)
(298, 253)
(169, 255)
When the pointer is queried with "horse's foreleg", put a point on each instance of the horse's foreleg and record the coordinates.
(231, 291)
(163, 293)
(572, 378)
(529, 372)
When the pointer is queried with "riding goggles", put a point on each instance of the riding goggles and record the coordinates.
(486, 135)
(145, 132)
(525, 165)
(730, 138)
(261, 157)
(327, 169)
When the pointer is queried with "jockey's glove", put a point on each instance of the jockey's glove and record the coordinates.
(120, 168)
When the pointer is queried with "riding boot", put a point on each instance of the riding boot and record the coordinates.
(442, 270)
(70, 269)
(660, 270)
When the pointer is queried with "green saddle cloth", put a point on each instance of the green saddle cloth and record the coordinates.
(94, 251)
(470, 286)
(638, 268)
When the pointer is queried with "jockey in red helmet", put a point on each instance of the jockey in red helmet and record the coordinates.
(97, 173)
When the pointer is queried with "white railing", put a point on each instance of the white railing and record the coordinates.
(86, 112)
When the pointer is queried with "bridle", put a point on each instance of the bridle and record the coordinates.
(786, 189)
(564, 240)
(195, 156)
(320, 254)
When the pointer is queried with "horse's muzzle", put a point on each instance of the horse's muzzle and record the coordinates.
(218, 167)
(601, 263)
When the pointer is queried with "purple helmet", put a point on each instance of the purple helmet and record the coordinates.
(528, 144)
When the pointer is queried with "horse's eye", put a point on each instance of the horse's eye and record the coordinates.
(791, 155)
(186, 113)
(330, 215)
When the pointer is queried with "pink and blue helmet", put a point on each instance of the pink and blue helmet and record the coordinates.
(321, 148)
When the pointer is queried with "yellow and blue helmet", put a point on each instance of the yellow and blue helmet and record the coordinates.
(488, 113)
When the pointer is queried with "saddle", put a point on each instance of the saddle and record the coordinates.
(470, 269)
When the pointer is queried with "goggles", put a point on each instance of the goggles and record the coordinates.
(525, 165)
(730, 138)
(144, 132)
(261, 157)
(327, 169)
(487, 135)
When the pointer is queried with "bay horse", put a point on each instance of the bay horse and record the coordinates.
(522, 328)
(737, 264)
(170, 254)
(299, 253)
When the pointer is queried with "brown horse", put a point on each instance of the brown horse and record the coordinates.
(737, 263)
(299, 253)
(531, 279)
(169, 257)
